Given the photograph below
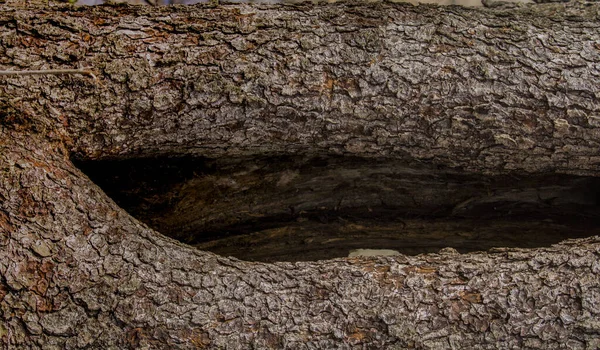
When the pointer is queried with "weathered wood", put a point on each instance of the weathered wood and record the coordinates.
(479, 92)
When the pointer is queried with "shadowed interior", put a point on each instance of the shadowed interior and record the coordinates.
(291, 208)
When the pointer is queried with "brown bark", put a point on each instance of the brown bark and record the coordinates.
(462, 92)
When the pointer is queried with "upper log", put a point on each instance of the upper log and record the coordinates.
(487, 90)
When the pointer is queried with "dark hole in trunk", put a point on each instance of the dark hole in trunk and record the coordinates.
(319, 207)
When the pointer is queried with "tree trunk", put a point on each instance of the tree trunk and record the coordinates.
(341, 121)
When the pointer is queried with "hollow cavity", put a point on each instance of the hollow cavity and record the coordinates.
(292, 208)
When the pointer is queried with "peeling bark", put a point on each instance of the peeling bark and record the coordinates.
(490, 92)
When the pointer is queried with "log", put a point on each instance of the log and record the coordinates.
(424, 120)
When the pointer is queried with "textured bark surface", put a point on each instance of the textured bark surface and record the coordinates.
(480, 92)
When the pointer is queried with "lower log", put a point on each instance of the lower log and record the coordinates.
(78, 271)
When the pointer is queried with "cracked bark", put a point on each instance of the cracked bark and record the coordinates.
(487, 92)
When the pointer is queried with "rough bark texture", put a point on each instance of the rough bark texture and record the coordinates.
(480, 92)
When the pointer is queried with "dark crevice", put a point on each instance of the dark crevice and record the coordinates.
(317, 207)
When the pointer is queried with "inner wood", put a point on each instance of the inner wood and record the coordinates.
(318, 207)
